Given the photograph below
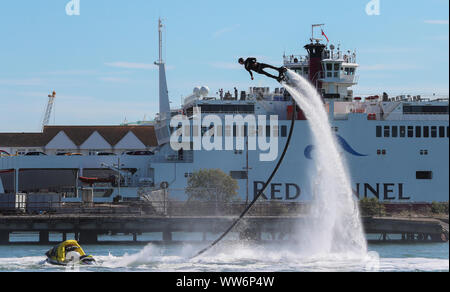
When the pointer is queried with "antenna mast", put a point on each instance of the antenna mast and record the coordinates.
(312, 32)
(164, 105)
(160, 26)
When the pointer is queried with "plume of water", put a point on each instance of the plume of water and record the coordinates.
(333, 224)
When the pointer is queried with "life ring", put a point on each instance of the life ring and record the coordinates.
(164, 185)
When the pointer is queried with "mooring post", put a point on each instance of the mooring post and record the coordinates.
(167, 235)
(88, 237)
(4, 237)
(44, 237)
(16, 180)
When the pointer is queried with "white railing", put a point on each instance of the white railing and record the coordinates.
(296, 60)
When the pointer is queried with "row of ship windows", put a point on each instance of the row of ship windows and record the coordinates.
(384, 152)
(411, 132)
(420, 175)
(242, 131)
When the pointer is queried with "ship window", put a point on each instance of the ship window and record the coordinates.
(394, 132)
(336, 74)
(424, 175)
(93, 152)
(403, 131)
(442, 132)
(329, 74)
(227, 131)
(238, 174)
(219, 131)
(381, 152)
(337, 67)
(276, 132)
(227, 108)
(204, 129)
(448, 132)
(423, 152)
(426, 109)
(410, 132)
(252, 131)
(433, 132)
(283, 131)
(387, 131)
(426, 132)
(418, 132)
(379, 131)
(329, 67)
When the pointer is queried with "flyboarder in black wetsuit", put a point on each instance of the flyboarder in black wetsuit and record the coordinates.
(252, 65)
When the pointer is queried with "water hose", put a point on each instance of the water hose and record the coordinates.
(288, 142)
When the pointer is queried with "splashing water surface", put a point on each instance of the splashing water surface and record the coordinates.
(334, 224)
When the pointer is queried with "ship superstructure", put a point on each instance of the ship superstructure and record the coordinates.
(396, 148)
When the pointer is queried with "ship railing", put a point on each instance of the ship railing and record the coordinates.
(150, 207)
(350, 78)
(412, 117)
(171, 208)
(339, 56)
(186, 157)
(341, 117)
(353, 79)
(296, 60)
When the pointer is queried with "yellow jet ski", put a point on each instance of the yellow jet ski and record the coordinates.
(68, 252)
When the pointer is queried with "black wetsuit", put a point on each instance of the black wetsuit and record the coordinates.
(251, 65)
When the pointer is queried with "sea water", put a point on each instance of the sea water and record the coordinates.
(232, 257)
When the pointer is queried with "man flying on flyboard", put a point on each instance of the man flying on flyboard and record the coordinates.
(252, 65)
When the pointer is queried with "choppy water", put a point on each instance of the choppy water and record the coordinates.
(233, 257)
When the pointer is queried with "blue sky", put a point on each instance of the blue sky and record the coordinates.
(100, 62)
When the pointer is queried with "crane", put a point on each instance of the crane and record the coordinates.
(48, 111)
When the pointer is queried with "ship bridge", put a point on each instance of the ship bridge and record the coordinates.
(330, 69)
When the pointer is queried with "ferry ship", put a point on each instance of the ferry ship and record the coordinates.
(395, 148)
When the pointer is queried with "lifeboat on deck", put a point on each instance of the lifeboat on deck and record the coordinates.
(94, 180)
